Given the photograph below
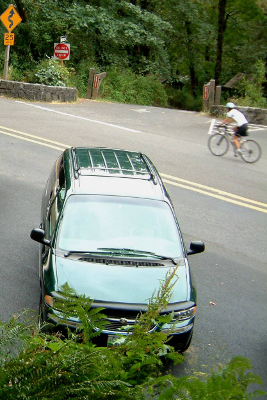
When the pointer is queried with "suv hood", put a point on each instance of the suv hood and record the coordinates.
(116, 283)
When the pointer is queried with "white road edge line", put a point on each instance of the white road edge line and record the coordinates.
(77, 116)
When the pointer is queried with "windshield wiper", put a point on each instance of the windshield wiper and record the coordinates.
(135, 252)
(86, 253)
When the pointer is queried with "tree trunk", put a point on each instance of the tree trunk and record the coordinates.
(21, 10)
(221, 28)
(192, 72)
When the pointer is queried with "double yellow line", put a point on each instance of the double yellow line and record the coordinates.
(33, 138)
(171, 180)
(215, 193)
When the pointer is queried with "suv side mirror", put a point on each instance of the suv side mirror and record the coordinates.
(39, 236)
(196, 247)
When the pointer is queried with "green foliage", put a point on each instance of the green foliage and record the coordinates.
(80, 307)
(35, 365)
(126, 87)
(253, 88)
(230, 382)
(50, 72)
(183, 99)
(166, 39)
(80, 79)
(53, 366)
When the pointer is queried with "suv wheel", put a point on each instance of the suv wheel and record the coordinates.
(181, 342)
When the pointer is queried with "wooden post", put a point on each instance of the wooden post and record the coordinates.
(90, 83)
(212, 93)
(218, 93)
(7, 51)
(97, 82)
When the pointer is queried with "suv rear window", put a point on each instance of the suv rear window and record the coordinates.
(90, 222)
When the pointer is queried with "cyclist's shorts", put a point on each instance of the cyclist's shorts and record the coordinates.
(242, 130)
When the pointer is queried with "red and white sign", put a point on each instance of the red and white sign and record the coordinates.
(96, 80)
(62, 51)
(205, 92)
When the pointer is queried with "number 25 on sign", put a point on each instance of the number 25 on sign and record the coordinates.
(9, 39)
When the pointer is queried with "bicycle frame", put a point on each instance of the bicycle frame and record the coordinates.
(228, 133)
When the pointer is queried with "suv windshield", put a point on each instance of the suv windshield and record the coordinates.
(92, 222)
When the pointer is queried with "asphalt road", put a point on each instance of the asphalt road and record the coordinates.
(222, 201)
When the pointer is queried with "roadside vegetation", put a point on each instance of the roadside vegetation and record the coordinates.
(154, 52)
(39, 364)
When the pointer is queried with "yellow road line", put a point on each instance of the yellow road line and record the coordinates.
(220, 192)
(31, 136)
(33, 141)
(239, 203)
(171, 180)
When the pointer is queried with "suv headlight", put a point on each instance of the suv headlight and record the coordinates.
(55, 309)
(184, 314)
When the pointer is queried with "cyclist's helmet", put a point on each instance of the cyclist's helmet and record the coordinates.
(230, 105)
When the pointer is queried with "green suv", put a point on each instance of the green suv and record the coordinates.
(108, 228)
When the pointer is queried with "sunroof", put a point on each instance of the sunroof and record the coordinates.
(109, 161)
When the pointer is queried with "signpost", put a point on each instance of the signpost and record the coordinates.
(10, 19)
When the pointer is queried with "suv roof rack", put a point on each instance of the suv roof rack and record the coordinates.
(105, 161)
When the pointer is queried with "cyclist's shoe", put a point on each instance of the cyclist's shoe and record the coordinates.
(238, 152)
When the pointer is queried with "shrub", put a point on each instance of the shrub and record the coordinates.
(183, 99)
(35, 365)
(81, 76)
(50, 72)
(253, 88)
(127, 87)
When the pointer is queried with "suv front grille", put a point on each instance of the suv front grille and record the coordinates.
(121, 321)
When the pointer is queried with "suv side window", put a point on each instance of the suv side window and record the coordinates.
(61, 183)
(54, 197)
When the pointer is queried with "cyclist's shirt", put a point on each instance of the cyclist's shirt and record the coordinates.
(237, 116)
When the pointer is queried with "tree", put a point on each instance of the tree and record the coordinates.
(184, 43)
(103, 32)
(222, 20)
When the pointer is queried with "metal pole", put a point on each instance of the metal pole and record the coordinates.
(6, 62)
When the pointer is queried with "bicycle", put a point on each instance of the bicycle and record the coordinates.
(219, 142)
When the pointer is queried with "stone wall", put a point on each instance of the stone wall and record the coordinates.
(254, 115)
(37, 92)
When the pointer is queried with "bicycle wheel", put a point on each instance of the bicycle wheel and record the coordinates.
(218, 144)
(251, 151)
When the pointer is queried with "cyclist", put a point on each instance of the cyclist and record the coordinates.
(242, 124)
